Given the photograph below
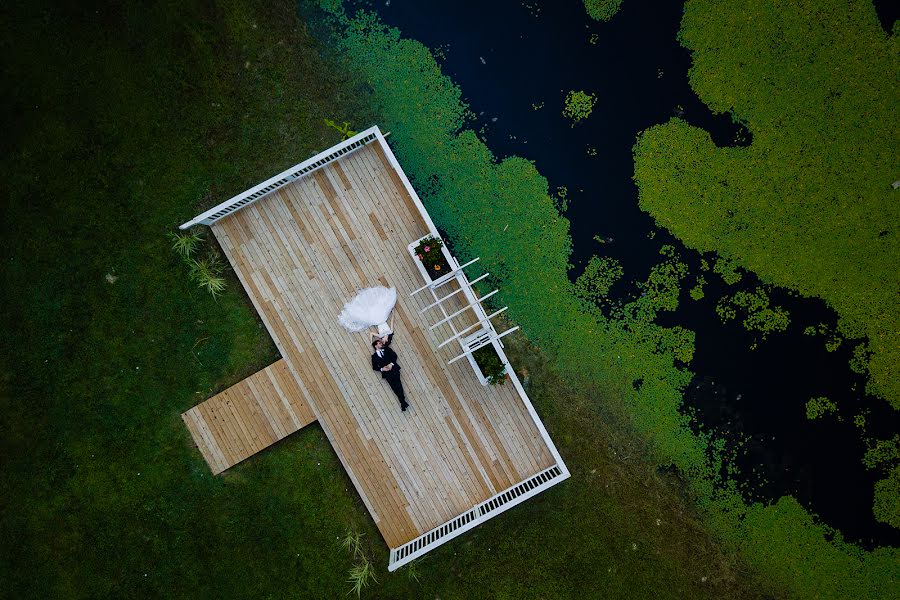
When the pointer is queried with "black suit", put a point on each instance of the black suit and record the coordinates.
(392, 376)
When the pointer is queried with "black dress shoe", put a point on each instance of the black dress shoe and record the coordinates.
(404, 406)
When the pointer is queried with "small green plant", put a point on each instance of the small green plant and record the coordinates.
(412, 569)
(207, 273)
(361, 574)
(490, 364)
(186, 244)
(429, 252)
(578, 106)
(343, 129)
(353, 543)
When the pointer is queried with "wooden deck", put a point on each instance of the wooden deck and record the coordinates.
(304, 250)
(248, 417)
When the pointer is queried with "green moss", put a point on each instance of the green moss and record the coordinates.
(808, 205)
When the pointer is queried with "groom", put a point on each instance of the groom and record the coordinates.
(385, 360)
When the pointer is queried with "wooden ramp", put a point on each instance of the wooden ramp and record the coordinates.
(248, 417)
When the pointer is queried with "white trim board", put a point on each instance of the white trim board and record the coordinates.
(287, 176)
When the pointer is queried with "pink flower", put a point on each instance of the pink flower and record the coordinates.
(427, 248)
(420, 256)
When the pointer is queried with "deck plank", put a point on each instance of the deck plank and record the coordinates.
(300, 253)
(238, 422)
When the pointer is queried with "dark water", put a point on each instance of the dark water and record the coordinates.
(509, 55)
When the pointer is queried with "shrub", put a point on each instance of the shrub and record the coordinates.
(490, 364)
(429, 252)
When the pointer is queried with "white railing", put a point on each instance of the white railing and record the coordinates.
(480, 513)
(285, 177)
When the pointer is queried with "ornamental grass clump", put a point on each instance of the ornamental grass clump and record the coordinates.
(362, 572)
(206, 272)
(185, 245)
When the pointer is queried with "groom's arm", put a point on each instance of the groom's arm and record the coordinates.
(375, 366)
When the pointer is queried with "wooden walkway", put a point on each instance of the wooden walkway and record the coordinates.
(248, 417)
(304, 250)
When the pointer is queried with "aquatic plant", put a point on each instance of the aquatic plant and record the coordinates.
(808, 205)
(886, 504)
(885, 455)
(598, 277)
(696, 292)
(578, 106)
(602, 10)
(412, 568)
(352, 543)
(727, 270)
(882, 452)
(362, 573)
(819, 407)
(759, 316)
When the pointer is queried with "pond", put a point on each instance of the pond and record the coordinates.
(515, 61)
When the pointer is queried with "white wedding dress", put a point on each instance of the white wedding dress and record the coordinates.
(370, 307)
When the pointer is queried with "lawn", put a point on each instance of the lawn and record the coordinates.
(121, 123)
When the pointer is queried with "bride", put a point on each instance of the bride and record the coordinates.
(369, 308)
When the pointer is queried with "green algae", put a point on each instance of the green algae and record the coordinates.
(602, 10)
(808, 205)
(759, 316)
